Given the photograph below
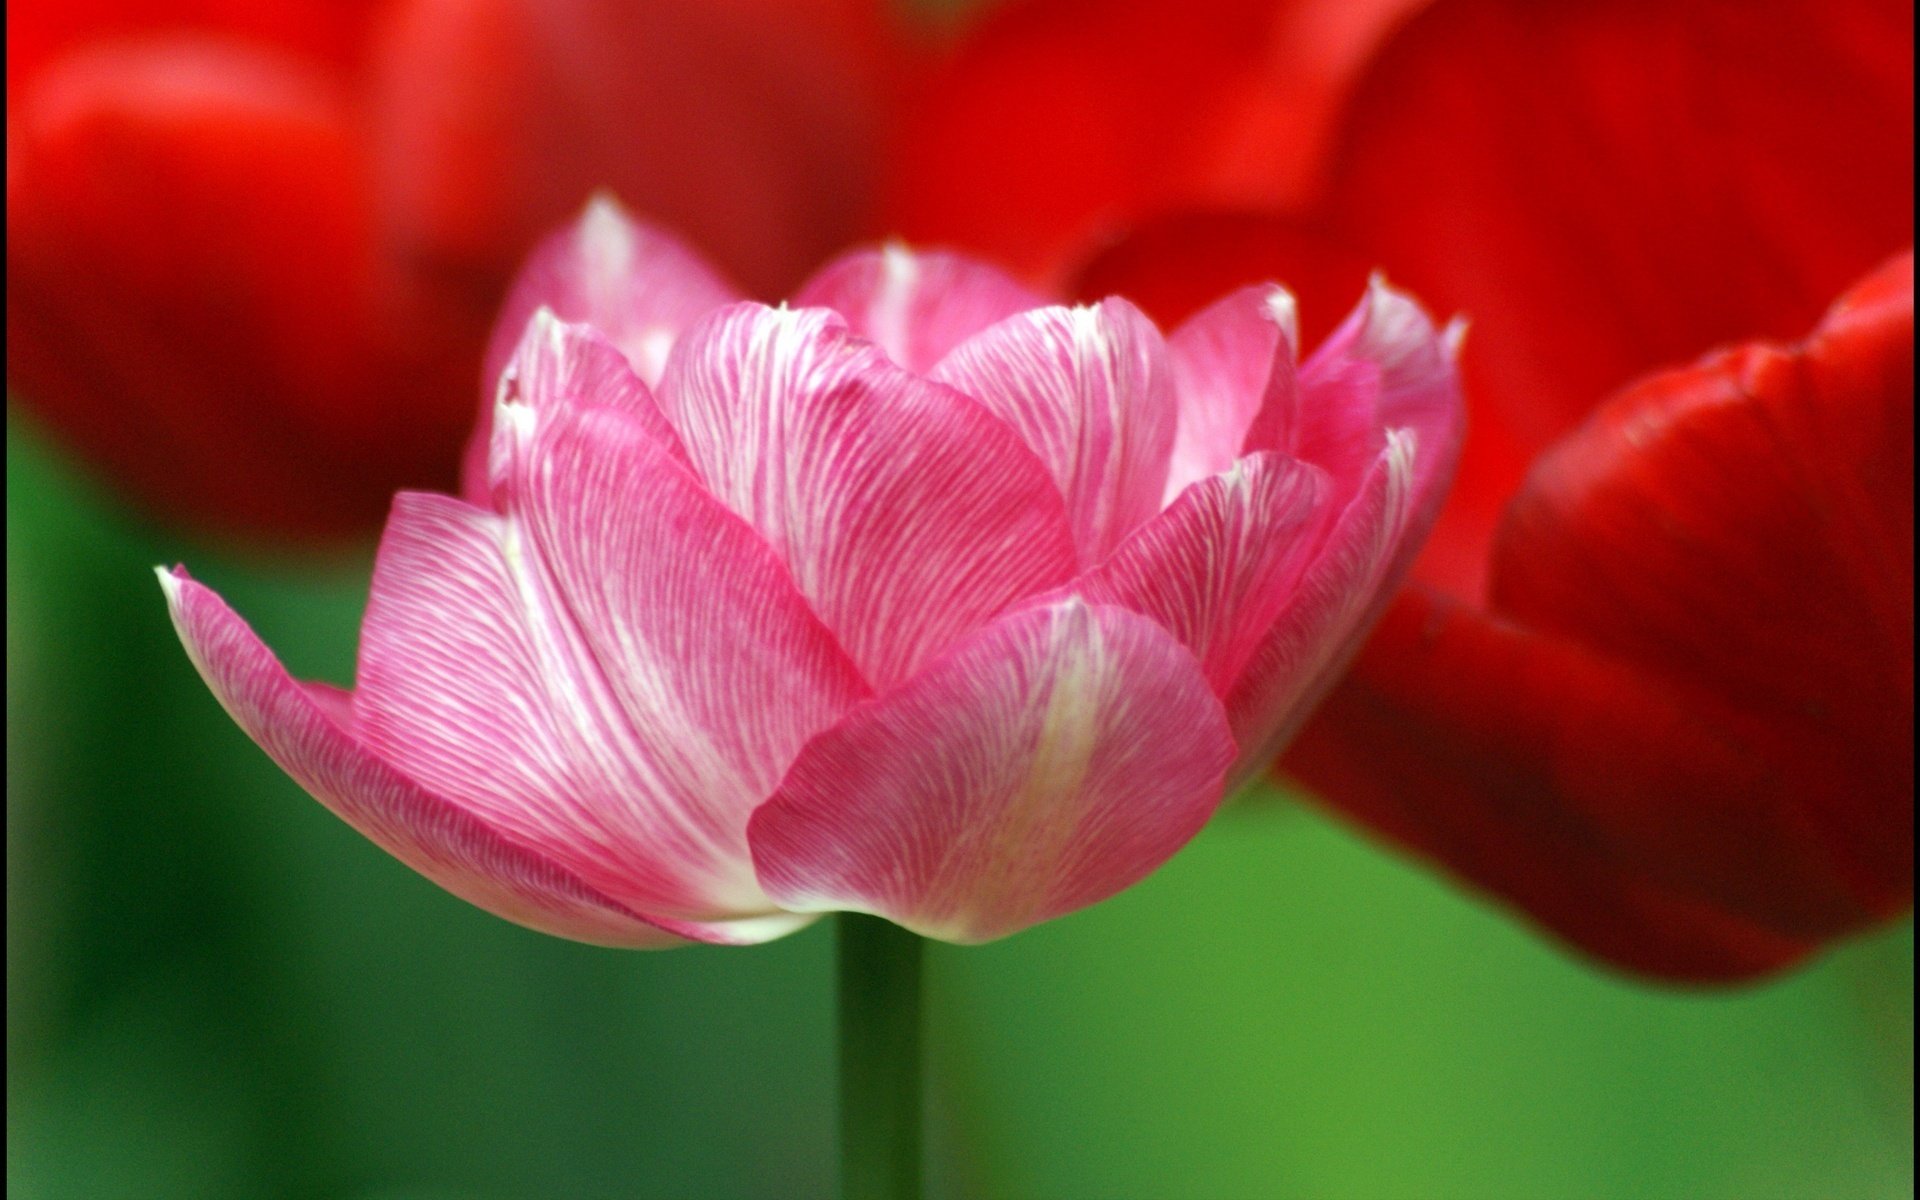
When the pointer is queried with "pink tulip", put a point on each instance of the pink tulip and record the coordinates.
(921, 597)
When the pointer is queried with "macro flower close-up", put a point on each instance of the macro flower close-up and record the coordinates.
(922, 598)
(1156, 599)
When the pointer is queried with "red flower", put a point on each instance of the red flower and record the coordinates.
(253, 250)
(1057, 119)
(1654, 684)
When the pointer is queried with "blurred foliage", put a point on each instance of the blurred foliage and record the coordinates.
(215, 989)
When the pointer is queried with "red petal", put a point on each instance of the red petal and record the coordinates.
(1061, 117)
(196, 299)
(1697, 685)
(1613, 187)
(39, 31)
(1448, 738)
(1745, 528)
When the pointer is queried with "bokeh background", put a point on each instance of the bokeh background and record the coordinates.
(215, 989)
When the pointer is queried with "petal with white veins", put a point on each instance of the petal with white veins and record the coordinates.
(1231, 361)
(1054, 758)
(1385, 367)
(1221, 563)
(907, 514)
(1333, 605)
(559, 363)
(637, 284)
(307, 729)
(616, 670)
(1089, 389)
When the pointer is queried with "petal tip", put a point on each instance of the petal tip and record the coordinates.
(1284, 310)
(603, 217)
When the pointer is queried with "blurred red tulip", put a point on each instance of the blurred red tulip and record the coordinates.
(253, 250)
(1654, 684)
(1056, 119)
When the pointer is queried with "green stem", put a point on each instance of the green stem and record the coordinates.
(879, 1059)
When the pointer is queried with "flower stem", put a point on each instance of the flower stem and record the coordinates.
(879, 968)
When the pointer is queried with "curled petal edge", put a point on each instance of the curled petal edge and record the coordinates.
(301, 728)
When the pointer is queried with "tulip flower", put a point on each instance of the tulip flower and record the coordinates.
(1651, 684)
(254, 250)
(922, 597)
(1056, 121)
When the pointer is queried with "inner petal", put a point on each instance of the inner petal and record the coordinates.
(1090, 391)
(907, 514)
(916, 306)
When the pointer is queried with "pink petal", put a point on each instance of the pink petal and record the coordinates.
(1226, 361)
(615, 671)
(916, 306)
(907, 514)
(559, 363)
(1054, 758)
(1386, 367)
(1333, 605)
(1218, 567)
(1089, 390)
(305, 729)
(636, 283)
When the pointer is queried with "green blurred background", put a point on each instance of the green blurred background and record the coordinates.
(215, 989)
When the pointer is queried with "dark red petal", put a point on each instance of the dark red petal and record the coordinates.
(750, 127)
(1061, 118)
(1614, 186)
(196, 301)
(1744, 528)
(1696, 689)
(1450, 737)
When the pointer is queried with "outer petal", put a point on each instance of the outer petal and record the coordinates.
(907, 514)
(303, 730)
(615, 671)
(1089, 390)
(555, 365)
(916, 306)
(1220, 565)
(1053, 759)
(1226, 360)
(1335, 600)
